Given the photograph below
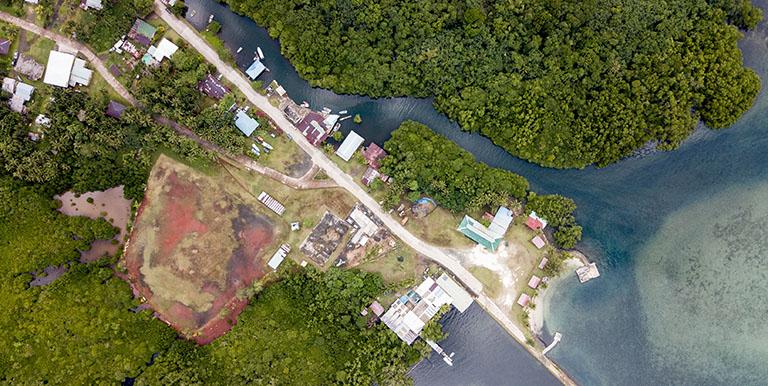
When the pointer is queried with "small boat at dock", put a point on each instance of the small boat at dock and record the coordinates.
(261, 54)
(239, 49)
(210, 19)
(345, 117)
(343, 112)
(304, 104)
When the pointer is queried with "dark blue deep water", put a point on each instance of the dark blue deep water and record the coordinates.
(680, 237)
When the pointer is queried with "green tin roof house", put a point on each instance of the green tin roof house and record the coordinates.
(489, 237)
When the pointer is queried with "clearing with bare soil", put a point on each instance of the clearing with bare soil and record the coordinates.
(197, 242)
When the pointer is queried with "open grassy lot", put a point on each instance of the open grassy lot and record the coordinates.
(439, 228)
(198, 241)
(39, 48)
(287, 157)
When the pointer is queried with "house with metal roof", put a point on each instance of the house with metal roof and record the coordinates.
(142, 32)
(245, 123)
(349, 146)
(212, 87)
(373, 155)
(91, 4)
(255, 69)
(59, 69)
(164, 49)
(535, 222)
(489, 237)
(80, 75)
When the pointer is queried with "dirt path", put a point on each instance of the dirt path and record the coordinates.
(92, 58)
(305, 182)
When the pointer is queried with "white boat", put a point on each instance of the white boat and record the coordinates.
(261, 54)
(304, 104)
(342, 112)
(210, 19)
(239, 49)
(345, 118)
(266, 145)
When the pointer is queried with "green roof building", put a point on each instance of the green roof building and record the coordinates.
(489, 237)
(479, 233)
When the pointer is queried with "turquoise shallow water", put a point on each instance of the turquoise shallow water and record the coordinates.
(679, 238)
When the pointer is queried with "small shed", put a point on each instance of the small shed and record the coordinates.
(377, 308)
(535, 222)
(349, 146)
(255, 69)
(91, 4)
(370, 175)
(245, 123)
(523, 300)
(5, 46)
(543, 262)
(534, 282)
(538, 242)
(115, 109)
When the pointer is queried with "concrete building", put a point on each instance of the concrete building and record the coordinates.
(349, 146)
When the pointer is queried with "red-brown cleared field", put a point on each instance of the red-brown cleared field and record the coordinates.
(197, 241)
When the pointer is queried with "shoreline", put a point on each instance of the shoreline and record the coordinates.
(536, 316)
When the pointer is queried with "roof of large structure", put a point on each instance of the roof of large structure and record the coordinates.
(5, 46)
(311, 129)
(80, 74)
(479, 233)
(350, 144)
(245, 123)
(165, 49)
(461, 299)
(59, 69)
(255, 69)
(501, 221)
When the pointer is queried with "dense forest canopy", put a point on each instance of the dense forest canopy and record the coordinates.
(563, 83)
(424, 163)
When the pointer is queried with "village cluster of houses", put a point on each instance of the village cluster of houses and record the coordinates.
(408, 315)
(138, 45)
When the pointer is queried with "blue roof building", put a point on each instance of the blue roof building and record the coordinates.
(255, 69)
(245, 123)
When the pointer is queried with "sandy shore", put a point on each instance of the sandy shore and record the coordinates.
(536, 315)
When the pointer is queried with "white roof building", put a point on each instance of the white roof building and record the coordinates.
(80, 75)
(349, 146)
(59, 69)
(164, 49)
(92, 4)
(9, 84)
(461, 298)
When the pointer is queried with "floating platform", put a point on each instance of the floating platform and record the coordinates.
(587, 272)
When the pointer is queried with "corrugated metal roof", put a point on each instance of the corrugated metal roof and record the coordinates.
(58, 69)
(350, 144)
(255, 69)
(245, 123)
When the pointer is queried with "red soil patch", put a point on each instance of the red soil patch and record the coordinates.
(193, 248)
